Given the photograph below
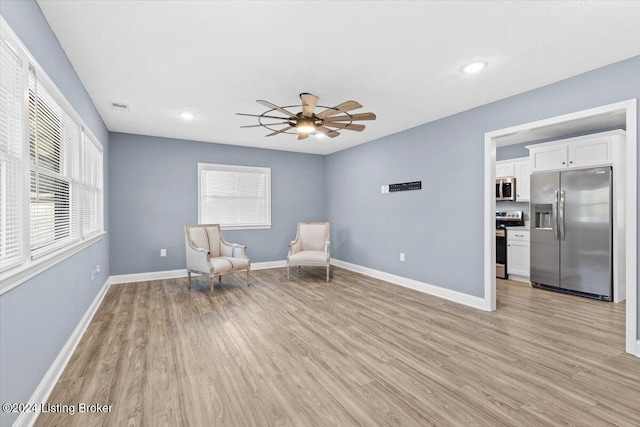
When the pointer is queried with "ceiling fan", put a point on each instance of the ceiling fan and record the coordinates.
(306, 122)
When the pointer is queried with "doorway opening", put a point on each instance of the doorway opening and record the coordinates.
(608, 116)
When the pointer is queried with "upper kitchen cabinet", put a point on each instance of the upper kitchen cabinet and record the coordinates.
(547, 158)
(505, 169)
(523, 179)
(580, 152)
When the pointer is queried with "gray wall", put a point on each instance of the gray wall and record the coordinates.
(513, 151)
(154, 194)
(440, 227)
(37, 317)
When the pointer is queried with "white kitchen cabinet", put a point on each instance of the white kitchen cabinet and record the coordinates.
(591, 153)
(523, 180)
(579, 152)
(504, 169)
(547, 158)
(518, 254)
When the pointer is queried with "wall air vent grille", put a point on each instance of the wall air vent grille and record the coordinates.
(120, 106)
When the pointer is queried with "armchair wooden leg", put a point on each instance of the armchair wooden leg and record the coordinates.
(287, 272)
(248, 275)
(299, 268)
(189, 274)
(212, 282)
(220, 278)
(327, 274)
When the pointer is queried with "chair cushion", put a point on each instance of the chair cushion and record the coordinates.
(225, 264)
(315, 257)
(313, 236)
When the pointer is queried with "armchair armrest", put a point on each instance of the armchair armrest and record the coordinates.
(233, 250)
(198, 259)
(239, 251)
(294, 247)
(327, 247)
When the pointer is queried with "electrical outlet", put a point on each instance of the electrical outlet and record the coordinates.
(163, 252)
(401, 256)
(95, 271)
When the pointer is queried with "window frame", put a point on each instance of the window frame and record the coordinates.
(35, 261)
(236, 168)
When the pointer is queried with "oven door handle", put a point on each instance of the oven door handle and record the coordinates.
(554, 216)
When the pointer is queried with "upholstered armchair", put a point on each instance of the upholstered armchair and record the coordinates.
(208, 253)
(311, 247)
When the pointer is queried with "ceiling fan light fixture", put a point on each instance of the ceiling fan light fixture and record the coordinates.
(305, 125)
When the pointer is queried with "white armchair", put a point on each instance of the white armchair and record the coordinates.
(208, 253)
(311, 247)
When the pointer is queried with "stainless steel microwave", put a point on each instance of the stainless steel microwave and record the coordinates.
(506, 189)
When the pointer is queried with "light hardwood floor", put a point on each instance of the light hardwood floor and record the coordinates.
(356, 351)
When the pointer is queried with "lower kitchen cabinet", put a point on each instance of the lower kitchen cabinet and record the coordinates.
(518, 254)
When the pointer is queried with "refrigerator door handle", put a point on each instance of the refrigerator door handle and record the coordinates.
(500, 187)
(561, 216)
(554, 216)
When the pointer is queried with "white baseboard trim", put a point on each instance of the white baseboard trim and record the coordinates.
(174, 274)
(145, 277)
(44, 389)
(448, 294)
(523, 279)
(269, 264)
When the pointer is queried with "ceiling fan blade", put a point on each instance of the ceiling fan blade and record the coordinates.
(347, 126)
(260, 115)
(352, 117)
(266, 124)
(330, 133)
(275, 107)
(280, 131)
(303, 136)
(340, 108)
(309, 103)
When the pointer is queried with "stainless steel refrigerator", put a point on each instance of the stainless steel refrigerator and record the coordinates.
(571, 231)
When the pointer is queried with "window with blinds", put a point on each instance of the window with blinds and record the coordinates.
(91, 187)
(51, 173)
(236, 197)
(11, 158)
(53, 147)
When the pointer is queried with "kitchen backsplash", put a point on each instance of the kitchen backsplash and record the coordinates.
(514, 206)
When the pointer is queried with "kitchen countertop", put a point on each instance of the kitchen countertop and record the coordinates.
(523, 228)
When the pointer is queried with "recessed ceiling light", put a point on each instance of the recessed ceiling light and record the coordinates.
(319, 135)
(474, 67)
(187, 115)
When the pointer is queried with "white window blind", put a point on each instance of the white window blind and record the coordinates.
(53, 143)
(234, 196)
(11, 158)
(91, 187)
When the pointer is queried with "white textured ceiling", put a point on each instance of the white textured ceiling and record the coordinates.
(400, 60)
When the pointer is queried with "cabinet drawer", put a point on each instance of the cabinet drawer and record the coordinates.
(517, 236)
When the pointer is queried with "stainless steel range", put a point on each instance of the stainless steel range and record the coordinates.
(503, 220)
